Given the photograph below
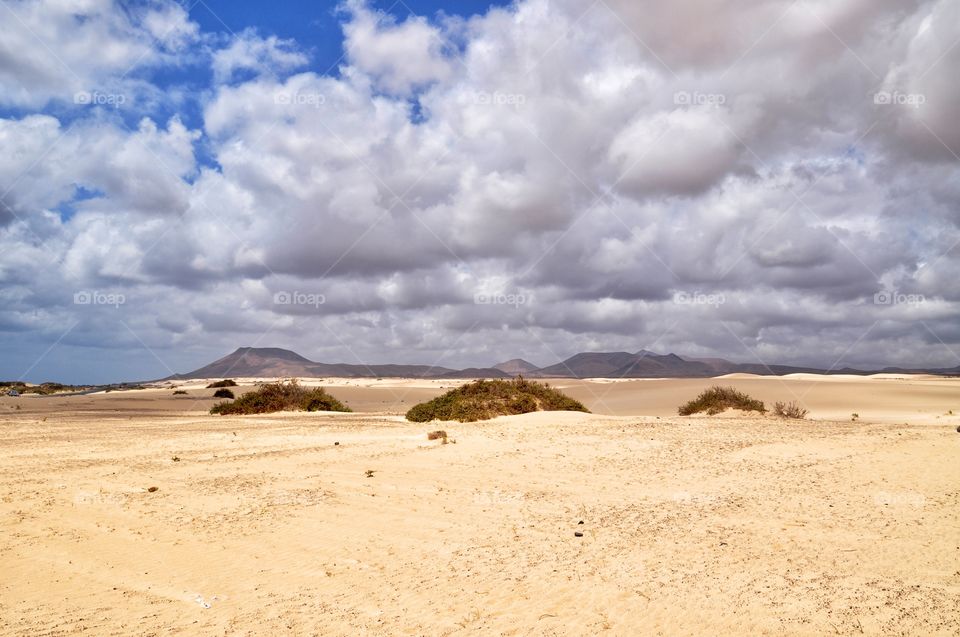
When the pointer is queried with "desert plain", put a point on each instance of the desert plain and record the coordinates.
(137, 512)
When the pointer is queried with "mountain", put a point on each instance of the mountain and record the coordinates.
(588, 365)
(476, 372)
(251, 361)
(272, 362)
(516, 366)
(647, 365)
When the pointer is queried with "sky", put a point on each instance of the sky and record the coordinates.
(463, 183)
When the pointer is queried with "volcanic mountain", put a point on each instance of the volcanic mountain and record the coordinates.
(516, 366)
(272, 362)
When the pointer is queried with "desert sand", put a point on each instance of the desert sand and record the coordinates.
(353, 524)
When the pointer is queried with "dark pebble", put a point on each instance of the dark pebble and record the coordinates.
(578, 533)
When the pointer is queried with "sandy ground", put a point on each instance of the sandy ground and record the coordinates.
(265, 525)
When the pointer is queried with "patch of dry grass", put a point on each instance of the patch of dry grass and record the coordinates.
(791, 409)
(717, 399)
(289, 396)
(485, 399)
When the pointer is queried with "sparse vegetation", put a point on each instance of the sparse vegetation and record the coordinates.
(791, 409)
(854, 416)
(222, 383)
(180, 392)
(43, 389)
(485, 399)
(717, 399)
(440, 434)
(223, 393)
(288, 396)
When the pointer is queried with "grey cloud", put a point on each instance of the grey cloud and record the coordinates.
(557, 158)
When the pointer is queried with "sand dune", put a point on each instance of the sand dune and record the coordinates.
(266, 525)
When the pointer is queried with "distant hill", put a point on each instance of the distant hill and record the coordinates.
(476, 372)
(516, 366)
(587, 365)
(642, 364)
(282, 363)
(272, 362)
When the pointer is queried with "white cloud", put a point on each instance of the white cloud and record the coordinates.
(597, 161)
(400, 56)
(53, 50)
(248, 51)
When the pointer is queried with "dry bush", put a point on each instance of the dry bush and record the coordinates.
(437, 435)
(180, 392)
(789, 410)
(222, 383)
(718, 399)
(289, 396)
(484, 399)
(223, 393)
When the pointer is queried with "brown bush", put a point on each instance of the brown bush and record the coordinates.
(789, 410)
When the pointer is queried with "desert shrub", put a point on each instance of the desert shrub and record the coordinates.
(437, 435)
(717, 399)
(484, 399)
(180, 392)
(789, 410)
(223, 393)
(43, 389)
(289, 396)
(222, 383)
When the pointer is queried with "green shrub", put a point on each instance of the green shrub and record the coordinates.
(222, 383)
(223, 393)
(43, 389)
(484, 399)
(717, 399)
(289, 396)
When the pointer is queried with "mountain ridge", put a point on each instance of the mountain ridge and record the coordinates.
(275, 362)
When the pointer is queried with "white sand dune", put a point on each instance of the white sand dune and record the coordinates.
(270, 525)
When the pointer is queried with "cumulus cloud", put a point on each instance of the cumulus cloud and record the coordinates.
(398, 56)
(67, 51)
(250, 52)
(535, 181)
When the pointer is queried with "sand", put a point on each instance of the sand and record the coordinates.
(691, 525)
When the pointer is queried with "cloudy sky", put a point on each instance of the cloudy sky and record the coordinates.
(764, 180)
